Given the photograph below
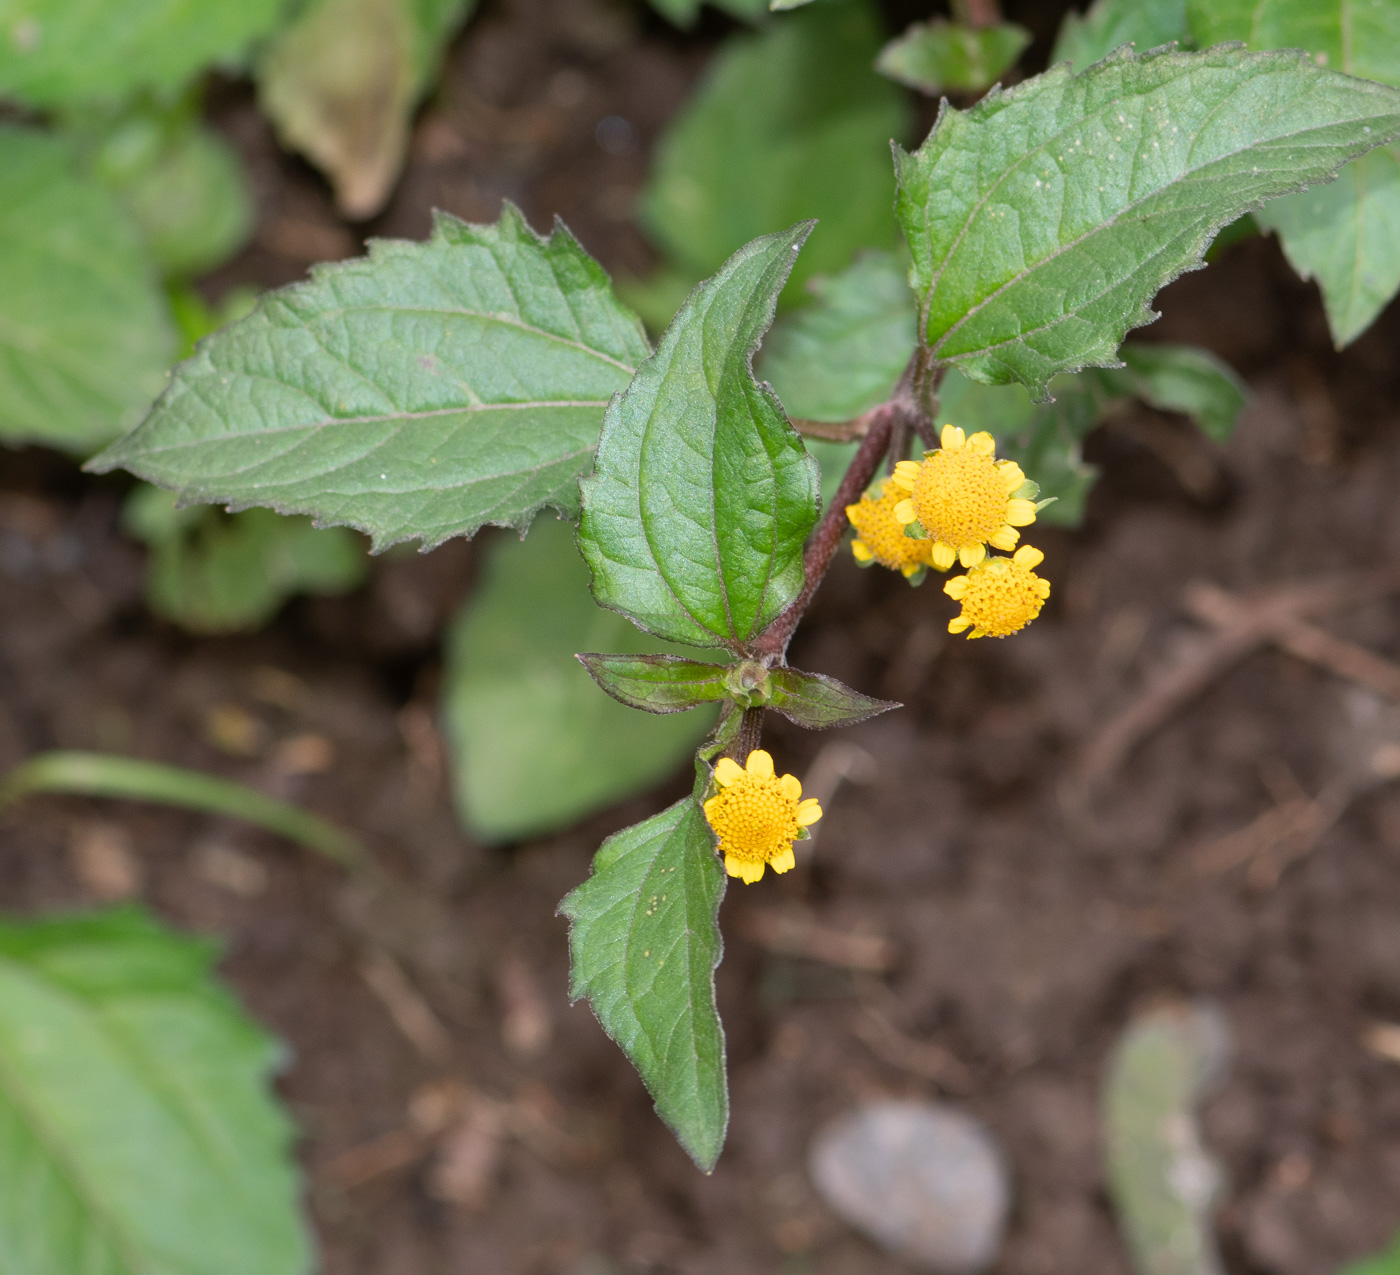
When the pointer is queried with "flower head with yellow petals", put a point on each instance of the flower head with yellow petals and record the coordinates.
(999, 596)
(880, 537)
(964, 498)
(757, 816)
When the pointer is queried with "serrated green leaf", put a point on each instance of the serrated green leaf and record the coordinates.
(62, 53)
(180, 182)
(1342, 235)
(1044, 219)
(84, 334)
(658, 683)
(212, 572)
(1347, 237)
(842, 354)
(819, 702)
(420, 393)
(1109, 24)
(702, 496)
(340, 84)
(1185, 379)
(138, 1132)
(644, 942)
(535, 744)
(939, 56)
(789, 123)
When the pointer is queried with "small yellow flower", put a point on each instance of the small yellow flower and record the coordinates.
(961, 494)
(880, 537)
(757, 816)
(999, 596)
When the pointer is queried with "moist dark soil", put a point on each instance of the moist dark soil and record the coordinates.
(976, 921)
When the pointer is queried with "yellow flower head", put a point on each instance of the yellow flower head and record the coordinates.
(880, 537)
(961, 494)
(757, 816)
(999, 596)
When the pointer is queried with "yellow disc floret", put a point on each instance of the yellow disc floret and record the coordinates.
(999, 596)
(962, 495)
(757, 816)
(880, 536)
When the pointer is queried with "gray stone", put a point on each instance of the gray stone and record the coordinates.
(923, 1180)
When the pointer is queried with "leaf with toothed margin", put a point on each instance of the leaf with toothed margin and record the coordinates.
(644, 942)
(819, 702)
(1043, 220)
(418, 393)
(658, 683)
(695, 515)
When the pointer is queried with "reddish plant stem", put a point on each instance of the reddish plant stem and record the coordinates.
(772, 643)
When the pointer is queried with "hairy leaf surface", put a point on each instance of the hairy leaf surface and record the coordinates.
(137, 1130)
(419, 393)
(789, 123)
(1107, 24)
(84, 334)
(535, 744)
(65, 52)
(643, 945)
(819, 702)
(939, 56)
(658, 683)
(1044, 219)
(842, 354)
(695, 515)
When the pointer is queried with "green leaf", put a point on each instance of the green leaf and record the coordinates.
(1109, 24)
(819, 702)
(212, 572)
(658, 683)
(138, 1131)
(842, 354)
(535, 744)
(695, 515)
(1386, 1263)
(84, 334)
(1342, 235)
(1044, 219)
(788, 124)
(62, 53)
(180, 182)
(341, 82)
(100, 775)
(422, 392)
(1186, 379)
(644, 942)
(939, 56)
(684, 12)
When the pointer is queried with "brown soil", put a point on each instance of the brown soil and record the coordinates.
(1023, 922)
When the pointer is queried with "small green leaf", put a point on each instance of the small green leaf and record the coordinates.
(658, 683)
(84, 335)
(1185, 379)
(1044, 219)
(422, 392)
(819, 702)
(61, 53)
(138, 1130)
(212, 572)
(1109, 24)
(789, 123)
(939, 56)
(842, 354)
(535, 744)
(695, 515)
(101, 775)
(341, 82)
(644, 942)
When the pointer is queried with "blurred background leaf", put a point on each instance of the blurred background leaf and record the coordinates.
(1085, 38)
(939, 56)
(85, 336)
(341, 82)
(536, 744)
(789, 123)
(137, 1127)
